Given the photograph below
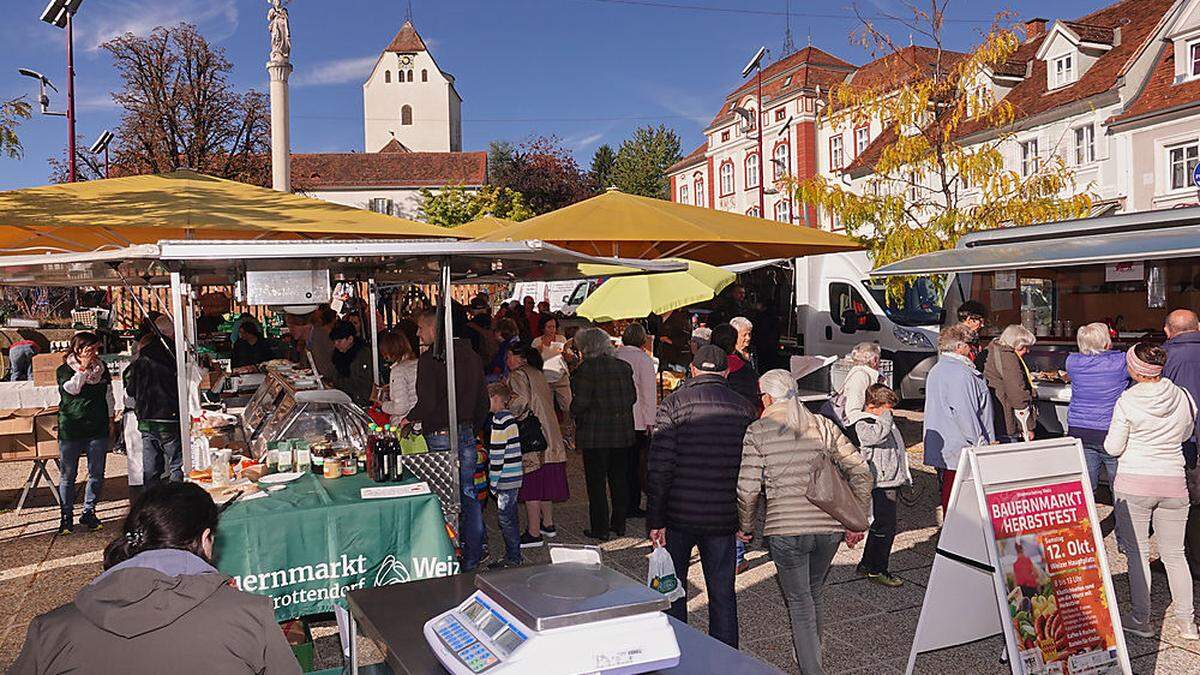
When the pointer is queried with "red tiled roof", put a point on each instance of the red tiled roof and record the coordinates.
(1137, 20)
(808, 67)
(694, 157)
(394, 145)
(407, 40)
(1091, 32)
(328, 170)
(893, 70)
(1160, 92)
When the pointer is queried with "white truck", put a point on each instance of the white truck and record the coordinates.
(563, 296)
(838, 305)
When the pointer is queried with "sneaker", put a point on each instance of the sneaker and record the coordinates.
(503, 564)
(861, 571)
(1134, 627)
(530, 541)
(66, 525)
(886, 579)
(1187, 630)
(549, 531)
(90, 521)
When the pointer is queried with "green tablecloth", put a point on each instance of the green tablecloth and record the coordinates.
(306, 546)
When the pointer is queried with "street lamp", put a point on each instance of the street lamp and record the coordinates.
(101, 145)
(756, 65)
(60, 13)
(43, 97)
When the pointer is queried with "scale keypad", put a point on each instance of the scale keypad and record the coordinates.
(470, 651)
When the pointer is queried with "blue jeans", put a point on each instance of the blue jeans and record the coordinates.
(801, 563)
(1095, 456)
(69, 452)
(161, 451)
(717, 559)
(470, 519)
(510, 523)
(20, 363)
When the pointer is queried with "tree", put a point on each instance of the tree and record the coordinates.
(542, 170)
(642, 162)
(601, 170)
(939, 172)
(181, 111)
(454, 205)
(12, 112)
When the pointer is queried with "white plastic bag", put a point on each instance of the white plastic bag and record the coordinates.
(661, 576)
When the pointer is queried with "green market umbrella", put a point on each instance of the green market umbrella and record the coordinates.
(637, 296)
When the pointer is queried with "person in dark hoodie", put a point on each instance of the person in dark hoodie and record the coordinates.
(160, 605)
(150, 380)
(742, 378)
(1183, 368)
(351, 363)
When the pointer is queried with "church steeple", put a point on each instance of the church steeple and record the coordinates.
(407, 41)
(408, 101)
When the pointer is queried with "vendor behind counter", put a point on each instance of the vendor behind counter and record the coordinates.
(351, 363)
(251, 349)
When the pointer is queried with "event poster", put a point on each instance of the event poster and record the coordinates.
(1057, 601)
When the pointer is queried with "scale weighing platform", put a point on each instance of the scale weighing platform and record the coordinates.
(567, 617)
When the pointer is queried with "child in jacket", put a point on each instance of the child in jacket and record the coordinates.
(503, 445)
(883, 448)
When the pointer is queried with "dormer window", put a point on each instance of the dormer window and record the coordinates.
(1194, 59)
(1064, 70)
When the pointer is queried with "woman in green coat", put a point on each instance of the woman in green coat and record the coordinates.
(84, 412)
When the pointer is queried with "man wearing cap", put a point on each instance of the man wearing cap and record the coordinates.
(691, 484)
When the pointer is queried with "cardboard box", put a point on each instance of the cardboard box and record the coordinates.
(45, 368)
(28, 433)
(45, 432)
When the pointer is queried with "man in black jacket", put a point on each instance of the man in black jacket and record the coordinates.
(150, 380)
(691, 483)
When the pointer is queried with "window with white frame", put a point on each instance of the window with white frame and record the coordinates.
(781, 161)
(783, 211)
(1085, 144)
(698, 190)
(753, 212)
(862, 138)
(381, 205)
(835, 153)
(1194, 59)
(752, 171)
(1029, 157)
(726, 178)
(1064, 70)
(1182, 163)
(683, 194)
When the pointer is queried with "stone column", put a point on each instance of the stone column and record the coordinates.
(281, 141)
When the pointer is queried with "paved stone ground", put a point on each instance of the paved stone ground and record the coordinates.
(868, 628)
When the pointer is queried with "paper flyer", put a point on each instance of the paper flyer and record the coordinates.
(1057, 602)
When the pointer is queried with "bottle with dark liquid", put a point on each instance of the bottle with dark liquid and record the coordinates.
(369, 451)
(392, 450)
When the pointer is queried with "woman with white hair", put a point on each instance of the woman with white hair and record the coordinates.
(1011, 386)
(778, 456)
(1098, 376)
(864, 372)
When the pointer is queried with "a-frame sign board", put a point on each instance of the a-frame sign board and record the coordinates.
(1021, 553)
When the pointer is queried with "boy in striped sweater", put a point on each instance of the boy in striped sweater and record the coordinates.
(503, 444)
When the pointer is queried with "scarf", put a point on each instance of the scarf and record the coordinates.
(342, 360)
(92, 375)
(1140, 367)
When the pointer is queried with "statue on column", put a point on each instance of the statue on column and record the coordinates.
(281, 33)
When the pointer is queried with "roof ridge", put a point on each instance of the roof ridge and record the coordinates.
(407, 40)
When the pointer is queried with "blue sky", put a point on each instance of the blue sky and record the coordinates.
(588, 71)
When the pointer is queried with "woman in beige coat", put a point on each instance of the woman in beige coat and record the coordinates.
(778, 457)
(547, 484)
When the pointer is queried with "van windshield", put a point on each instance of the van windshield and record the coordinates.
(921, 305)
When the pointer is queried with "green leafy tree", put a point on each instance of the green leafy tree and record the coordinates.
(601, 170)
(454, 205)
(642, 162)
(542, 170)
(12, 112)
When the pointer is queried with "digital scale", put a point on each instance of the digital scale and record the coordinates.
(567, 617)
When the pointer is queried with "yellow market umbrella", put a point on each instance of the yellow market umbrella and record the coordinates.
(637, 296)
(630, 226)
(183, 204)
(482, 226)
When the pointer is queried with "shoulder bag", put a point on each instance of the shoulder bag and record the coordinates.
(829, 491)
(529, 427)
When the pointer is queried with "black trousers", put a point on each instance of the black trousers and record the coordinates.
(601, 467)
(635, 469)
(878, 548)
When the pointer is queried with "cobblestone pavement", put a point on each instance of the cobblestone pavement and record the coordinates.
(868, 628)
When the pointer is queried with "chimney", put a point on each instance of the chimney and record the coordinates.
(1034, 28)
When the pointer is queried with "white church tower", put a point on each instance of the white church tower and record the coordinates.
(408, 102)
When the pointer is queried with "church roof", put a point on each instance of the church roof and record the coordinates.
(329, 170)
(395, 145)
(407, 40)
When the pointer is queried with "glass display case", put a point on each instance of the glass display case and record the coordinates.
(321, 417)
(274, 405)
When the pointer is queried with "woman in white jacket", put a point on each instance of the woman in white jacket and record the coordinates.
(1150, 422)
(394, 347)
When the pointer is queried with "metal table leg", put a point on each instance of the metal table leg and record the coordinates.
(353, 645)
(36, 473)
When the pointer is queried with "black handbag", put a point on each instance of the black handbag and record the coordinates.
(533, 437)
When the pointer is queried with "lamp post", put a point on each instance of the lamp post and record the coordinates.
(101, 145)
(756, 65)
(60, 13)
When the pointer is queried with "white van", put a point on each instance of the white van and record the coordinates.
(563, 296)
(838, 305)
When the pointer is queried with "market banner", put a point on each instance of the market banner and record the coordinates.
(308, 545)
(1057, 599)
